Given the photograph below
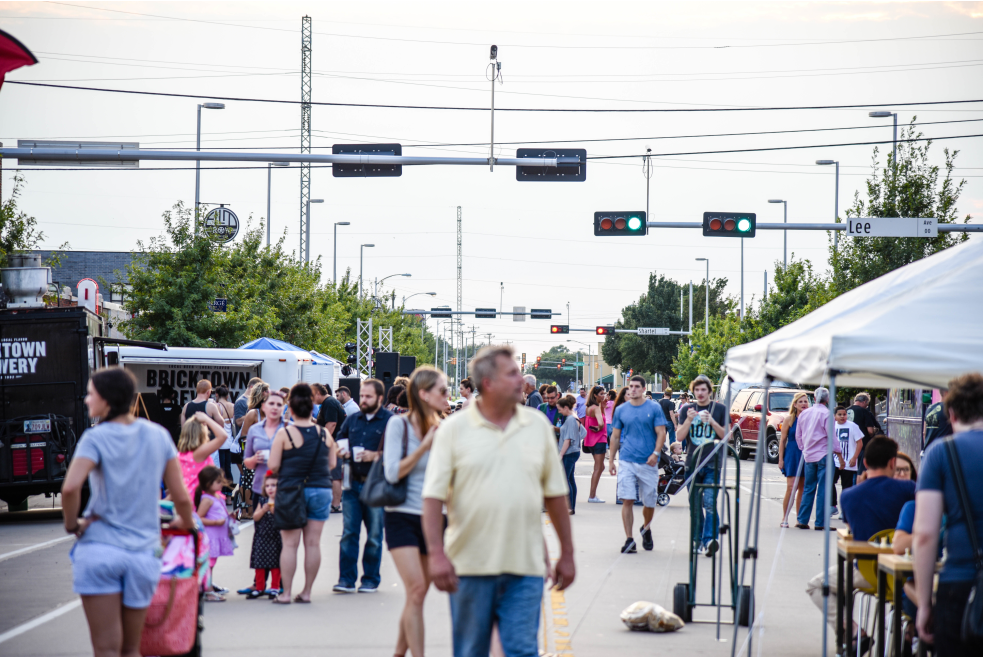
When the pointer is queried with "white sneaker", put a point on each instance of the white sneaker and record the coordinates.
(702, 550)
(595, 499)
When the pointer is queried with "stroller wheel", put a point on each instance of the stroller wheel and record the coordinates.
(663, 500)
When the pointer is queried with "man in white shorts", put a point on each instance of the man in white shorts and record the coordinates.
(639, 431)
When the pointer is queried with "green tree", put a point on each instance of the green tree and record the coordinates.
(704, 354)
(659, 307)
(909, 189)
(795, 291)
(548, 373)
(18, 230)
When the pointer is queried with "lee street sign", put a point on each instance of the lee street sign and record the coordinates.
(892, 227)
(653, 331)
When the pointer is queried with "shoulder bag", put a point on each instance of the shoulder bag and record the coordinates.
(377, 490)
(972, 623)
(290, 511)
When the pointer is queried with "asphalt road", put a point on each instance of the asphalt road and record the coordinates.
(39, 614)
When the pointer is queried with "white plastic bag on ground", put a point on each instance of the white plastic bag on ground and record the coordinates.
(645, 616)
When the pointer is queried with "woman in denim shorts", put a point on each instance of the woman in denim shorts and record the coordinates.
(303, 453)
(115, 567)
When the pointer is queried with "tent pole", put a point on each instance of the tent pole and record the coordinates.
(828, 495)
(722, 457)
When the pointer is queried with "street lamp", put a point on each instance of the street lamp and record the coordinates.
(307, 231)
(836, 202)
(375, 289)
(423, 318)
(706, 313)
(269, 184)
(334, 276)
(894, 142)
(361, 257)
(785, 221)
(207, 106)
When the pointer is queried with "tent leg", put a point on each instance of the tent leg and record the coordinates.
(828, 494)
(724, 506)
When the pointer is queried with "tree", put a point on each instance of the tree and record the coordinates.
(659, 307)
(704, 355)
(795, 292)
(173, 281)
(548, 373)
(909, 189)
(18, 230)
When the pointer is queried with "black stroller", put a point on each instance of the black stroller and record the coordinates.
(672, 474)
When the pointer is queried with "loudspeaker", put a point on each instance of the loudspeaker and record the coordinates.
(407, 364)
(386, 369)
(353, 384)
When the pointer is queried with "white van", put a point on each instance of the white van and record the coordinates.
(183, 367)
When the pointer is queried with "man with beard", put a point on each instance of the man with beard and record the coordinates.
(364, 431)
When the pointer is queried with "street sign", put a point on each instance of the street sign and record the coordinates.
(368, 170)
(562, 172)
(653, 331)
(518, 313)
(221, 225)
(441, 312)
(892, 227)
(540, 314)
(485, 313)
(219, 305)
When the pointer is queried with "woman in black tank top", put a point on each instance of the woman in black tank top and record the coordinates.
(303, 455)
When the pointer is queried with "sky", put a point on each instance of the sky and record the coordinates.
(535, 238)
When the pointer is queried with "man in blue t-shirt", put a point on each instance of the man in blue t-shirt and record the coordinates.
(639, 432)
(869, 507)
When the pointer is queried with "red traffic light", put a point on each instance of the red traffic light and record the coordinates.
(559, 329)
(605, 331)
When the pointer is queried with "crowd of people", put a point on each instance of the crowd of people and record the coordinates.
(458, 513)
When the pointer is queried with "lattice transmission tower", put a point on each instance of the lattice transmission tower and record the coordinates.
(305, 129)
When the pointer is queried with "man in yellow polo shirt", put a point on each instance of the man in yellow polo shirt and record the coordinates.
(495, 466)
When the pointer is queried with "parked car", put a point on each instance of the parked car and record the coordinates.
(745, 417)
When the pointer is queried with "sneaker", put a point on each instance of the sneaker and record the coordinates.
(255, 594)
(218, 589)
(701, 550)
(343, 589)
(712, 547)
(834, 512)
(629, 546)
(802, 526)
(595, 499)
(214, 597)
(819, 527)
(368, 589)
(245, 590)
(647, 542)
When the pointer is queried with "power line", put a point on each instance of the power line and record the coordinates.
(497, 109)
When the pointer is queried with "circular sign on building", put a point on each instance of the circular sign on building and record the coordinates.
(221, 225)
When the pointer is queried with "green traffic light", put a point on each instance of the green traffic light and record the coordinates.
(634, 223)
(744, 225)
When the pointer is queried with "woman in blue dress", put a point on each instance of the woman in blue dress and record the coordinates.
(790, 455)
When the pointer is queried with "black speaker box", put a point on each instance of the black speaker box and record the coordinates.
(353, 384)
(386, 369)
(407, 364)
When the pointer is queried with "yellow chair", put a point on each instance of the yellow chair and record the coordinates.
(868, 569)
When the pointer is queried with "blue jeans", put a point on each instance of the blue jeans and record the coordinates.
(670, 434)
(815, 489)
(512, 601)
(355, 514)
(706, 527)
(569, 461)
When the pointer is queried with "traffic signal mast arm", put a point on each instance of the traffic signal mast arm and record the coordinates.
(775, 226)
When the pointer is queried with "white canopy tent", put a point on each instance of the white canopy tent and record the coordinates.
(920, 325)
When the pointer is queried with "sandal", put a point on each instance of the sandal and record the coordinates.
(214, 598)
(297, 599)
(784, 524)
(279, 602)
(336, 509)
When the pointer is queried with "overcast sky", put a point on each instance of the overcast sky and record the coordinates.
(536, 238)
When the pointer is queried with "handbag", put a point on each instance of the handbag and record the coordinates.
(377, 490)
(290, 511)
(172, 618)
(972, 622)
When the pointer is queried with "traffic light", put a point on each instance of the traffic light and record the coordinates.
(539, 360)
(620, 223)
(564, 171)
(559, 329)
(443, 312)
(605, 331)
(339, 170)
(729, 224)
(523, 359)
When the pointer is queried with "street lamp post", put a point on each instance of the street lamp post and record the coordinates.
(269, 188)
(334, 272)
(361, 258)
(894, 143)
(785, 221)
(836, 202)
(706, 313)
(423, 318)
(375, 288)
(307, 231)
(207, 106)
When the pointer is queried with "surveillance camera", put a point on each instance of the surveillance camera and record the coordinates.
(494, 52)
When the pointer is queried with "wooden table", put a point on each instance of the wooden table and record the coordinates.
(899, 568)
(848, 551)
(844, 533)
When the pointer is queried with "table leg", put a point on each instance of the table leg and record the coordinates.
(881, 605)
(897, 640)
(848, 593)
(842, 649)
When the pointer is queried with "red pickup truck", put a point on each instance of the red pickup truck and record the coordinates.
(745, 416)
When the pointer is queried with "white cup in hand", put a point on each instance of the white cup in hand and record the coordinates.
(357, 453)
(705, 416)
(264, 455)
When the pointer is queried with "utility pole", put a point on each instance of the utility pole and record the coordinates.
(460, 280)
(305, 132)
(647, 172)
(496, 74)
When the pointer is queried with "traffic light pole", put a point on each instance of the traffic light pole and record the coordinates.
(943, 228)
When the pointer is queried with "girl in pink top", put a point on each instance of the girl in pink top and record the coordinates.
(195, 449)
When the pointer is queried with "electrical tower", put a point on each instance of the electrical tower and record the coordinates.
(460, 286)
(305, 129)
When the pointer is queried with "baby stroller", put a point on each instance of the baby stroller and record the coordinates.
(672, 474)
